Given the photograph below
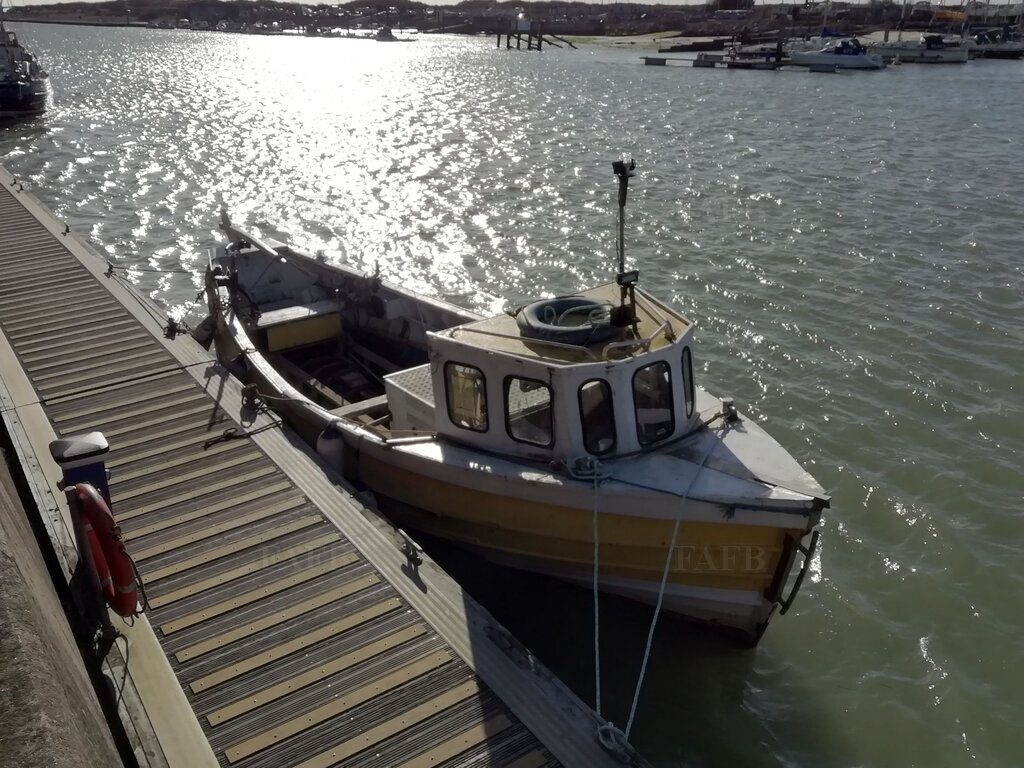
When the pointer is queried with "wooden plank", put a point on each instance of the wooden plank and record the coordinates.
(90, 386)
(125, 361)
(191, 458)
(155, 388)
(244, 570)
(396, 725)
(97, 348)
(472, 737)
(294, 645)
(291, 612)
(78, 338)
(273, 693)
(60, 271)
(27, 302)
(207, 470)
(155, 443)
(208, 509)
(228, 549)
(255, 595)
(55, 320)
(129, 349)
(166, 410)
(32, 270)
(158, 429)
(58, 319)
(206, 533)
(335, 707)
(196, 492)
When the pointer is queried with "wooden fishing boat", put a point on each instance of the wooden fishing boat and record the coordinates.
(523, 435)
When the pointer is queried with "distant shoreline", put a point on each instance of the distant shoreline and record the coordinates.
(77, 22)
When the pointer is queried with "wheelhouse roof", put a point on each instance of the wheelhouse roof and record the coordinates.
(501, 333)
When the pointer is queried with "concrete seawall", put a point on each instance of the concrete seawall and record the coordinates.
(49, 712)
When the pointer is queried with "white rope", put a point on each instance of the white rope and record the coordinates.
(712, 443)
(610, 737)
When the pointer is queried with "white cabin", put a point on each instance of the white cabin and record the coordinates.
(492, 386)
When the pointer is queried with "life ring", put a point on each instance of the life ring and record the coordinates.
(123, 594)
(99, 561)
(567, 320)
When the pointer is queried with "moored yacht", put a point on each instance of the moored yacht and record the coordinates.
(842, 54)
(569, 437)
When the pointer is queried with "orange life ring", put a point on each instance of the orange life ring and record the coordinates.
(123, 595)
(99, 561)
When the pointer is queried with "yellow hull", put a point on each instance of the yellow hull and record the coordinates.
(724, 563)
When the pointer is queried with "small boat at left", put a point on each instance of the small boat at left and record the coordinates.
(24, 85)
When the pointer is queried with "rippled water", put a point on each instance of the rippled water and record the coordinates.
(849, 246)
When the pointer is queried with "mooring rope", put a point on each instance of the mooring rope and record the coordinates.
(597, 608)
(712, 443)
(610, 737)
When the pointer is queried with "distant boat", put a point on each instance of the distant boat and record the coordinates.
(385, 35)
(995, 44)
(24, 85)
(930, 49)
(846, 54)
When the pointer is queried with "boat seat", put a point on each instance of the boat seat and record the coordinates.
(300, 325)
(354, 410)
(294, 312)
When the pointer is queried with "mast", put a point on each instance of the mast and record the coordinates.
(624, 315)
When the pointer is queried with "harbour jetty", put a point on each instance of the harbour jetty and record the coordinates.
(285, 625)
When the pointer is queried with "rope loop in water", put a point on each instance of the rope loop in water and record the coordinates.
(614, 741)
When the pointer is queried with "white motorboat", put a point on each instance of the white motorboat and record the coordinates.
(520, 435)
(929, 49)
(844, 54)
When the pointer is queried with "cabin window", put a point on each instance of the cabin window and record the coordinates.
(652, 398)
(688, 381)
(466, 391)
(597, 417)
(528, 411)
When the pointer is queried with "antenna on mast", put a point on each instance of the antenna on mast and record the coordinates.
(624, 314)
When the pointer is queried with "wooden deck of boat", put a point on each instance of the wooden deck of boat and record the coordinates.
(298, 634)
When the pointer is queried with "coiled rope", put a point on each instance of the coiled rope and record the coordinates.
(596, 314)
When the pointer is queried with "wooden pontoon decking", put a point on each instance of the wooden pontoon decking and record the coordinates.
(285, 628)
